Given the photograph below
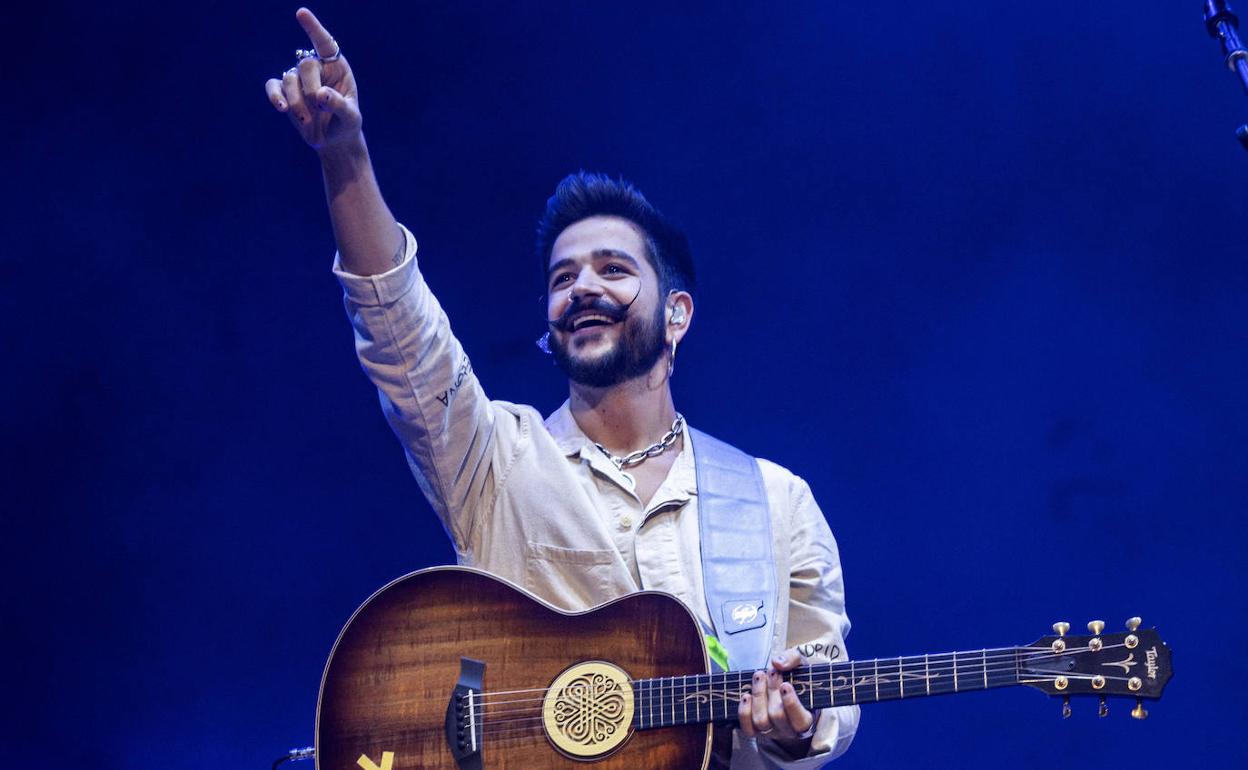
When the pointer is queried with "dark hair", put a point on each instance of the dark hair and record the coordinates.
(584, 194)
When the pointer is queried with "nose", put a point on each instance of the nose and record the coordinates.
(586, 285)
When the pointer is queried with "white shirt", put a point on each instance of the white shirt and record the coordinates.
(536, 503)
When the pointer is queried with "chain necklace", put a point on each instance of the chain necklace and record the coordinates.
(654, 450)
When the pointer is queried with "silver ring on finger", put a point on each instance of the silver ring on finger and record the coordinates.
(304, 53)
(768, 731)
(337, 53)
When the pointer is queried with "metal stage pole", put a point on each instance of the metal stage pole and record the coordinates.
(1222, 24)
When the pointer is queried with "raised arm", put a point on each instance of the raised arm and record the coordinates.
(319, 96)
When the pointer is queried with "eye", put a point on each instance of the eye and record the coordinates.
(560, 279)
(615, 269)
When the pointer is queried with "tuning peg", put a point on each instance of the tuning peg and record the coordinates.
(1134, 623)
(1138, 712)
(1096, 627)
(1104, 709)
(1061, 628)
(1066, 707)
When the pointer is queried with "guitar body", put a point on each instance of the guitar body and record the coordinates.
(391, 675)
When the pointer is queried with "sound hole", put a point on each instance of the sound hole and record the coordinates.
(588, 710)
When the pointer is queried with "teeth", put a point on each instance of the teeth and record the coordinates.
(583, 320)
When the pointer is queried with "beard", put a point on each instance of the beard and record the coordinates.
(639, 348)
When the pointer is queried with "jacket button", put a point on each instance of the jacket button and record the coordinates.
(626, 521)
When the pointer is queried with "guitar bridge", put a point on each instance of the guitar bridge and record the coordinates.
(464, 715)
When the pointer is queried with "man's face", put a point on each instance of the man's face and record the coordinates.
(602, 298)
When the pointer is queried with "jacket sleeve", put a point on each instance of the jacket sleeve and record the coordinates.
(428, 391)
(817, 625)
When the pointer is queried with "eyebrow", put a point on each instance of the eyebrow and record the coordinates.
(597, 255)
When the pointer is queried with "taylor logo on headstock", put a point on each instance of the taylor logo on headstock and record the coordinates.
(1126, 663)
(744, 613)
(1150, 662)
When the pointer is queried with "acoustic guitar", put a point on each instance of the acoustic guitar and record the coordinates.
(454, 668)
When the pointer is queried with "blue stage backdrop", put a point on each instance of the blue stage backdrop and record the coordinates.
(974, 270)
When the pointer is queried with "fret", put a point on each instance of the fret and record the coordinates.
(656, 718)
(650, 693)
(638, 702)
(656, 702)
(818, 686)
(672, 695)
(810, 688)
(641, 704)
(659, 691)
(722, 687)
(684, 699)
(669, 700)
(669, 713)
(649, 703)
(697, 704)
(701, 698)
(882, 678)
(674, 701)
(831, 685)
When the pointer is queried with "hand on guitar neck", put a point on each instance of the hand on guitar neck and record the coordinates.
(772, 707)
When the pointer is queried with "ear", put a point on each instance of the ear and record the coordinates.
(679, 315)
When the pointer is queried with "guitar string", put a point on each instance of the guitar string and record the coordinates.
(974, 668)
(727, 693)
(527, 725)
(492, 717)
(668, 685)
(494, 726)
(972, 659)
(522, 726)
(997, 653)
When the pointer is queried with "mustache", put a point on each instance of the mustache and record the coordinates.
(598, 305)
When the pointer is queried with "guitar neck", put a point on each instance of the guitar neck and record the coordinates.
(698, 699)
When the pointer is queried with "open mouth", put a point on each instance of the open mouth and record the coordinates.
(589, 321)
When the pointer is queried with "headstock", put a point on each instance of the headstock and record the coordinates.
(1134, 663)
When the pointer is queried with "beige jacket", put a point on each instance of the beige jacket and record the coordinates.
(535, 502)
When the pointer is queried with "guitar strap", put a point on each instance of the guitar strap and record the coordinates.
(738, 567)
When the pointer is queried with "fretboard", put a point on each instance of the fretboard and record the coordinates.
(697, 699)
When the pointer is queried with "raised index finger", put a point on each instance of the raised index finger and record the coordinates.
(322, 41)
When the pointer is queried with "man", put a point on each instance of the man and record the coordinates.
(602, 498)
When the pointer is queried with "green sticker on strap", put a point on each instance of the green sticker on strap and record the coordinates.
(717, 652)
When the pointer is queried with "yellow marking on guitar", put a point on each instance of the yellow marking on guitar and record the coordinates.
(387, 761)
